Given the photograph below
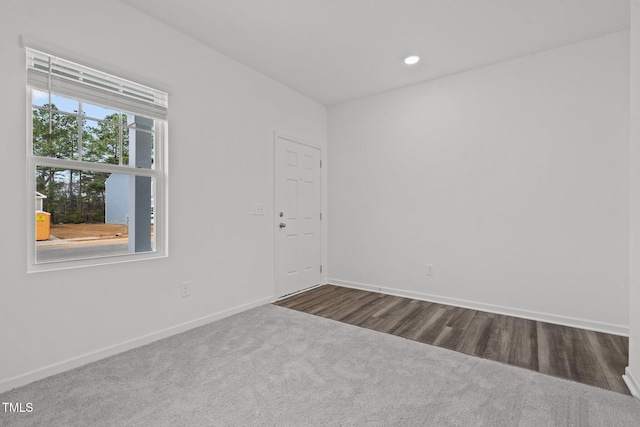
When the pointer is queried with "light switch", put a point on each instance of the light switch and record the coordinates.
(257, 209)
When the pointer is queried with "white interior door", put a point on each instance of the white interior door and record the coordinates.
(297, 216)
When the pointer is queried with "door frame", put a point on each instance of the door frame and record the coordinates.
(276, 250)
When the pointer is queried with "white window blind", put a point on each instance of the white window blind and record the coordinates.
(52, 74)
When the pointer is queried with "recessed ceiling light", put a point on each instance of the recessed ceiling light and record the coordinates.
(410, 60)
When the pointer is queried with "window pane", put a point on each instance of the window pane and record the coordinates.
(55, 135)
(101, 143)
(139, 122)
(138, 141)
(98, 112)
(87, 214)
(60, 103)
(64, 104)
(40, 98)
(153, 151)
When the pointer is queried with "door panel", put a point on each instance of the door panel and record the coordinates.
(297, 221)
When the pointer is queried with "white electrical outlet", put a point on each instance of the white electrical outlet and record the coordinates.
(429, 269)
(185, 289)
(257, 209)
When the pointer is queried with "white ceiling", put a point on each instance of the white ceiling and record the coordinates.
(338, 50)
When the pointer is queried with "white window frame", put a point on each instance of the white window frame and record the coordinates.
(158, 173)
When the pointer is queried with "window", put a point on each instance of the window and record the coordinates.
(96, 160)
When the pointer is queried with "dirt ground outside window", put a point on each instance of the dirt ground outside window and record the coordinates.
(81, 231)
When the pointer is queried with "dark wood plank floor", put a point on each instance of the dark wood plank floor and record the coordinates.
(587, 357)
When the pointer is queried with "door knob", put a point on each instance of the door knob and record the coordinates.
(283, 225)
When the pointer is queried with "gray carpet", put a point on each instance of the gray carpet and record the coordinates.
(275, 366)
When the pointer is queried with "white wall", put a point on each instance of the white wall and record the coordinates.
(633, 371)
(512, 180)
(222, 119)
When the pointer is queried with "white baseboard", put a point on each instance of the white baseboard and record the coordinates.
(75, 362)
(608, 328)
(632, 383)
